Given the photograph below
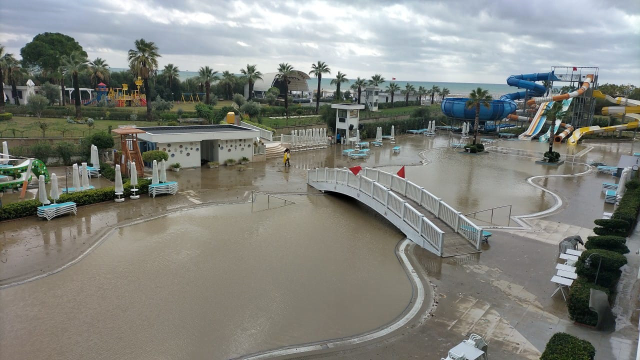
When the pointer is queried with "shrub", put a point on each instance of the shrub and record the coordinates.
(19, 209)
(229, 162)
(176, 166)
(41, 151)
(108, 172)
(90, 122)
(628, 207)
(613, 224)
(65, 150)
(133, 117)
(578, 302)
(633, 184)
(169, 116)
(251, 108)
(605, 232)
(271, 99)
(5, 116)
(552, 156)
(422, 112)
(611, 243)
(161, 105)
(180, 112)
(204, 111)
(173, 123)
(239, 99)
(563, 346)
(102, 140)
(36, 104)
(475, 148)
(157, 155)
(51, 92)
(609, 263)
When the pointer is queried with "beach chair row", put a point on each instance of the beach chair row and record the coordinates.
(50, 211)
(170, 187)
(607, 169)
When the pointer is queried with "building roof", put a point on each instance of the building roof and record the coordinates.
(347, 106)
(297, 82)
(628, 161)
(128, 131)
(192, 129)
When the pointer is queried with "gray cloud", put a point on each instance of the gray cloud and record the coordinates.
(462, 41)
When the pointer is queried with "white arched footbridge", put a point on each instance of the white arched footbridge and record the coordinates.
(423, 218)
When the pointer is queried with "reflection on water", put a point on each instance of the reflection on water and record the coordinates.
(214, 282)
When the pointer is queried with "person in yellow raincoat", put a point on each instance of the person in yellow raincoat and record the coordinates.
(287, 156)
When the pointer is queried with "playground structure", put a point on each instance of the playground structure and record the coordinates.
(533, 104)
(130, 150)
(121, 96)
(192, 97)
(19, 174)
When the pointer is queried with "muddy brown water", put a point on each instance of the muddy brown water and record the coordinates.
(215, 282)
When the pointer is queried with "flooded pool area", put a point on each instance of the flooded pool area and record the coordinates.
(214, 282)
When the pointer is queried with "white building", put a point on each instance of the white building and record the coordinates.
(195, 144)
(371, 97)
(297, 83)
(347, 118)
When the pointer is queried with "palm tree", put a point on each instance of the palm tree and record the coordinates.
(376, 80)
(476, 98)
(340, 78)
(444, 93)
(408, 89)
(421, 92)
(228, 81)
(317, 70)
(99, 71)
(433, 91)
(3, 66)
(392, 89)
(74, 64)
(251, 74)
(284, 72)
(171, 72)
(143, 61)
(207, 75)
(358, 85)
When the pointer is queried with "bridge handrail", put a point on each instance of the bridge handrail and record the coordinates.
(377, 180)
(265, 134)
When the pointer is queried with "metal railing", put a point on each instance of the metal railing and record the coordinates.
(264, 134)
(475, 213)
(385, 187)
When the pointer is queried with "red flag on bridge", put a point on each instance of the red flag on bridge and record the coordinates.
(401, 172)
(393, 78)
(575, 68)
(355, 170)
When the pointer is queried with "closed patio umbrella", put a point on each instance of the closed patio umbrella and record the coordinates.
(55, 192)
(393, 132)
(5, 152)
(119, 187)
(85, 177)
(75, 176)
(163, 171)
(134, 182)
(42, 191)
(154, 173)
(95, 159)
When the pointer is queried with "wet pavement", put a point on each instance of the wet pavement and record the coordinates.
(502, 293)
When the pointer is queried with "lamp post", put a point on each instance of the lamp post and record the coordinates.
(587, 263)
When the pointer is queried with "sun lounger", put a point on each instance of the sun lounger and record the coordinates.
(429, 133)
(396, 149)
(50, 211)
(465, 351)
(607, 215)
(609, 186)
(417, 131)
(170, 187)
(93, 172)
(347, 151)
(607, 169)
(376, 143)
(506, 135)
(72, 190)
(458, 145)
(610, 197)
(565, 267)
(636, 154)
(364, 144)
(573, 252)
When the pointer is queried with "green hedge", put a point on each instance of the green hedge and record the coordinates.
(158, 155)
(563, 346)
(477, 148)
(5, 116)
(629, 207)
(578, 302)
(87, 197)
(611, 243)
(609, 266)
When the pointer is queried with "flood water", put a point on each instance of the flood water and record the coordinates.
(214, 282)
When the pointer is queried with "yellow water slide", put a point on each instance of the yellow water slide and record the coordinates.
(631, 109)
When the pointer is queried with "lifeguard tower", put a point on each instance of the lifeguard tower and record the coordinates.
(130, 150)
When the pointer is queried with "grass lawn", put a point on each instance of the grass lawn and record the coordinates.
(187, 106)
(28, 127)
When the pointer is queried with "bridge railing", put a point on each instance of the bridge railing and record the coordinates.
(376, 183)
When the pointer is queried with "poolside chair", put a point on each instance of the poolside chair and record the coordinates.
(478, 342)
(396, 149)
(453, 356)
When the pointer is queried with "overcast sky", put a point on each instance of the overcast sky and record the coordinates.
(458, 41)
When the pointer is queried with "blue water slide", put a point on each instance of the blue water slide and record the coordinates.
(456, 107)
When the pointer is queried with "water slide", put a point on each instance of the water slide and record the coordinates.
(631, 112)
(568, 129)
(537, 122)
(580, 91)
(506, 105)
(554, 128)
(15, 183)
(37, 167)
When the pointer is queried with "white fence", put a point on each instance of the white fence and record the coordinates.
(265, 134)
(307, 139)
(385, 188)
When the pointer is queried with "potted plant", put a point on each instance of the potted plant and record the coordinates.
(213, 164)
(229, 162)
(175, 167)
(245, 160)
